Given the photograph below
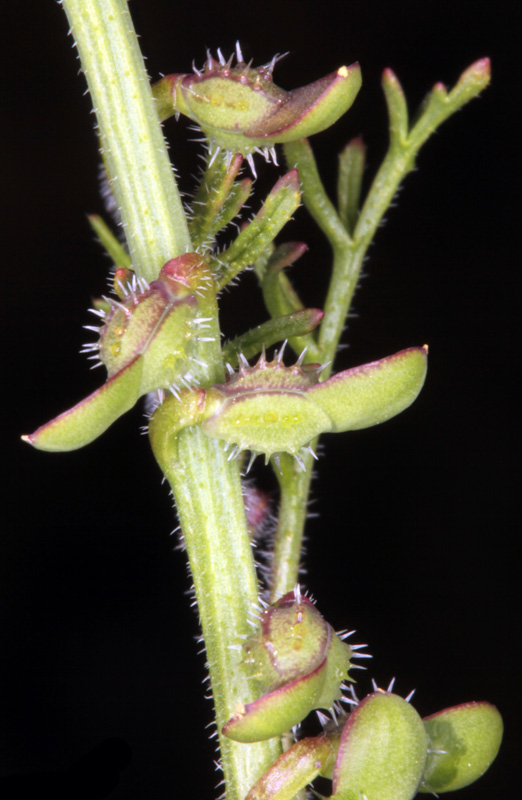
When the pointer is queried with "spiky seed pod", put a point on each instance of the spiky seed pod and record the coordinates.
(145, 343)
(240, 109)
(154, 325)
(463, 742)
(265, 408)
(271, 408)
(299, 663)
(382, 751)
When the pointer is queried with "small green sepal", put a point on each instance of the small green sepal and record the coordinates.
(257, 236)
(464, 741)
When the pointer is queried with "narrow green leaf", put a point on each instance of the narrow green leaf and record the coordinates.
(351, 169)
(218, 199)
(397, 108)
(276, 330)
(233, 204)
(279, 295)
(255, 237)
(115, 250)
(280, 299)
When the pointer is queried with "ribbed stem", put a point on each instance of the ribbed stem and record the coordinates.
(132, 143)
(212, 516)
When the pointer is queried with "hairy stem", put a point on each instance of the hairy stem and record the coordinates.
(132, 144)
(348, 257)
(212, 515)
(295, 488)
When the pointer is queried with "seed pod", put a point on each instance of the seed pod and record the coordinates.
(146, 343)
(464, 741)
(154, 325)
(240, 109)
(299, 663)
(295, 768)
(382, 751)
(271, 408)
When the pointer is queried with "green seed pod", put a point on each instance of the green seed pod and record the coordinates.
(271, 408)
(146, 343)
(299, 663)
(88, 419)
(241, 110)
(265, 409)
(296, 768)
(141, 325)
(382, 751)
(464, 741)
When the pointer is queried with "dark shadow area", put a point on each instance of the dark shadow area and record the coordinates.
(93, 776)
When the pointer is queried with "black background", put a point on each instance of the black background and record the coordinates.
(415, 543)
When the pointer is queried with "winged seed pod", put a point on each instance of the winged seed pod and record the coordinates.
(464, 741)
(299, 663)
(382, 751)
(240, 109)
(145, 342)
(270, 408)
(377, 752)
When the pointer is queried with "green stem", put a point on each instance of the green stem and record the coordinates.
(295, 487)
(348, 258)
(131, 139)
(212, 516)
